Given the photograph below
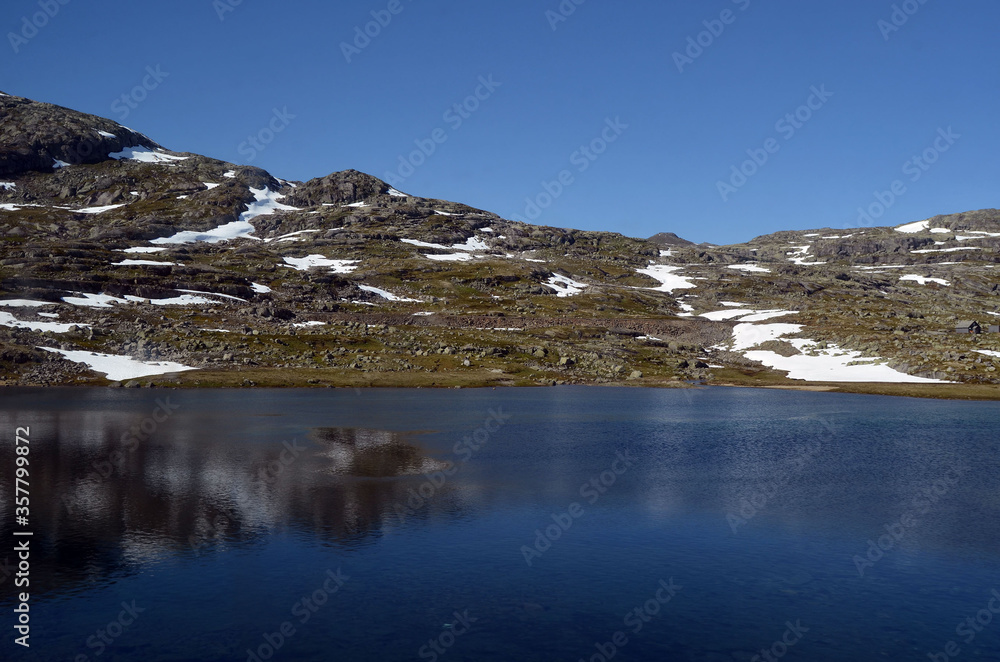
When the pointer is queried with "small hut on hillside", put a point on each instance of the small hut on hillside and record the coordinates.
(968, 326)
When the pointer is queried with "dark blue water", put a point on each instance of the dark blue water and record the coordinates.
(554, 524)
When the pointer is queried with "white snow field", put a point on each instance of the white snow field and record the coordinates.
(146, 155)
(310, 261)
(8, 320)
(385, 294)
(669, 280)
(565, 287)
(829, 364)
(265, 202)
(118, 368)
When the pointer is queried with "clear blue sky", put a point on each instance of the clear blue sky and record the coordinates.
(558, 87)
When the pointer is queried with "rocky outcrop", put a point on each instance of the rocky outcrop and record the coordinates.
(35, 135)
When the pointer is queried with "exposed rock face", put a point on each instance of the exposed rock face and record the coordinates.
(344, 187)
(34, 135)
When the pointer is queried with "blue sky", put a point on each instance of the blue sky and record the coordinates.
(662, 134)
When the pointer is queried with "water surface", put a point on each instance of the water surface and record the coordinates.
(517, 524)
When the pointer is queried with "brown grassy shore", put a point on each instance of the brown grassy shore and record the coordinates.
(486, 378)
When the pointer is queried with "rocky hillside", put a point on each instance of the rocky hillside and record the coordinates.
(123, 262)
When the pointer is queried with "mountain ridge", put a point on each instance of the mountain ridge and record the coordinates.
(149, 255)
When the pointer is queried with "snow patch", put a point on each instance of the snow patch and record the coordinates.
(146, 155)
(144, 249)
(830, 364)
(310, 261)
(565, 287)
(746, 336)
(209, 185)
(25, 303)
(265, 203)
(8, 320)
(923, 280)
(384, 294)
(451, 257)
(667, 277)
(214, 294)
(183, 300)
(117, 367)
(291, 236)
(260, 289)
(749, 267)
(909, 228)
(720, 315)
(105, 300)
(9, 186)
(397, 194)
(798, 256)
(833, 364)
(97, 210)
(93, 300)
(136, 263)
(233, 230)
(471, 244)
